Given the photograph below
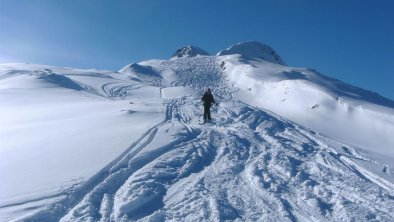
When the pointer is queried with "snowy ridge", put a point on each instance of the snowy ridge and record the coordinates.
(155, 162)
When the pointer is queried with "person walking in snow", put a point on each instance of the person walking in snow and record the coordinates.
(207, 101)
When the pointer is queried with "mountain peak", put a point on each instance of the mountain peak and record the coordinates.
(254, 49)
(188, 51)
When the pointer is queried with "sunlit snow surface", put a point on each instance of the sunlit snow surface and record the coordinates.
(90, 145)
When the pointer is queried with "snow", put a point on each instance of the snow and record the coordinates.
(49, 134)
(189, 51)
(328, 106)
(174, 92)
(287, 144)
(253, 50)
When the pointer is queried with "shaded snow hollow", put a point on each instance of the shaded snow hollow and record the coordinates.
(135, 143)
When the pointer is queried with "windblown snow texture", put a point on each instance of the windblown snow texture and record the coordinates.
(251, 165)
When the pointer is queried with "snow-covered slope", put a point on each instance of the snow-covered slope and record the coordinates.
(126, 146)
(326, 105)
(58, 128)
(253, 50)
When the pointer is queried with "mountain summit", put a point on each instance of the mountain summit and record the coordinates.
(189, 51)
(249, 49)
(254, 49)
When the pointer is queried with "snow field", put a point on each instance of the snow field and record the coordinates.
(249, 165)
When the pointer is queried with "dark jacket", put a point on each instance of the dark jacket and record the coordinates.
(208, 99)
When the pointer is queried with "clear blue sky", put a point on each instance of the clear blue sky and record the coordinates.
(351, 40)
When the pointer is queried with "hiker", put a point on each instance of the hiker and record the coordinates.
(207, 100)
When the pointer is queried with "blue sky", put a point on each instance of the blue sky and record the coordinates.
(349, 40)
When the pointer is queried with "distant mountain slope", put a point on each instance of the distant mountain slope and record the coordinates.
(253, 50)
(189, 51)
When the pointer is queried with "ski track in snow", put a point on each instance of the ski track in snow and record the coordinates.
(249, 165)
